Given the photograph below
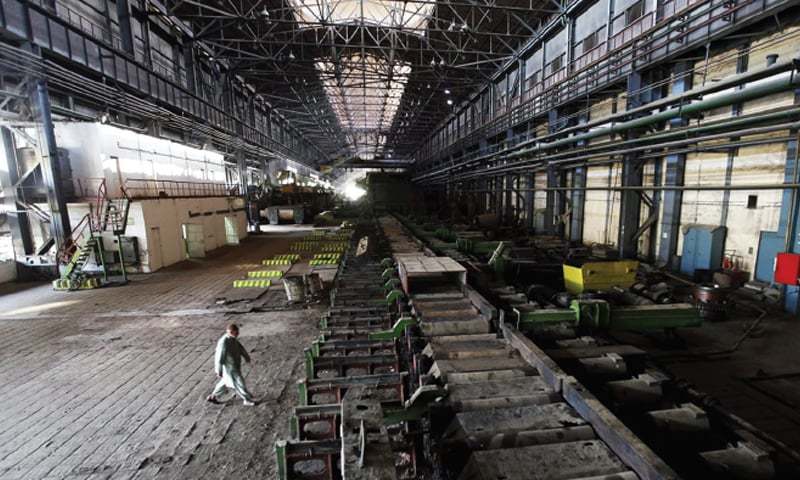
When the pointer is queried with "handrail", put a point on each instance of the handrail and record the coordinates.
(100, 200)
(71, 244)
(632, 31)
(143, 188)
(554, 78)
(589, 57)
(656, 36)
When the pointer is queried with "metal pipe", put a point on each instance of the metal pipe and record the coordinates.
(769, 87)
(601, 150)
(699, 188)
(733, 81)
(790, 220)
(778, 83)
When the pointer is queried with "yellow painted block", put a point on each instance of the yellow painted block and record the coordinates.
(274, 261)
(265, 274)
(251, 283)
(599, 275)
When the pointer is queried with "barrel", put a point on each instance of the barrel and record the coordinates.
(295, 288)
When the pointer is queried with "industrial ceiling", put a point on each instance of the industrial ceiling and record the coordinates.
(365, 80)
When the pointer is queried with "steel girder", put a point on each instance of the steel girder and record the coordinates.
(277, 50)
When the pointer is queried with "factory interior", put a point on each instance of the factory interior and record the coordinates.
(400, 239)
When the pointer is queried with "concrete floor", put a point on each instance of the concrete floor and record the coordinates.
(111, 383)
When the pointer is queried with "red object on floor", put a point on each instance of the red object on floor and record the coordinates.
(787, 269)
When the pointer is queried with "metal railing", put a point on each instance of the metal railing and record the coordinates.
(671, 7)
(589, 57)
(88, 186)
(79, 236)
(554, 78)
(632, 31)
(143, 188)
(690, 21)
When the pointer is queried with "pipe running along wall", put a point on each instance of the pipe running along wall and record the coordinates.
(771, 80)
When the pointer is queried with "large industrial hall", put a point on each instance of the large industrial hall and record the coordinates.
(399, 239)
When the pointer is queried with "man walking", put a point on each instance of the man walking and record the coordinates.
(228, 367)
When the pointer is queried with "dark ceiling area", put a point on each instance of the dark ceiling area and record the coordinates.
(365, 80)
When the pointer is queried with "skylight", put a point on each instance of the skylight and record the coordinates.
(364, 90)
(365, 93)
(386, 13)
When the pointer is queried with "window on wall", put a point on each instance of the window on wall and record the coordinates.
(533, 70)
(474, 115)
(513, 83)
(590, 41)
(634, 12)
(500, 92)
(486, 104)
(556, 64)
(532, 80)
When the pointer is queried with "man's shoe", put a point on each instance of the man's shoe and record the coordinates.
(247, 403)
(212, 399)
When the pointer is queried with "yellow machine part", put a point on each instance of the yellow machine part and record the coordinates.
(600, 275)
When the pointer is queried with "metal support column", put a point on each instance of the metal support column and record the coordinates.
(241, 167)
(632, 175)
(529, 196)
(554, 207)
(60, 228)
(630, 207)
(789, 219)
(125, 29)
(17, 216)
(508, 211)
(578, 200)
(578, 196)
(498, 197)
(191, 81)
(674, 165)
(484, 196)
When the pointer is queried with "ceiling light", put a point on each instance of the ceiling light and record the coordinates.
(449, 101)
(446, 91)
(441, 62)
(265, 13)
(433, 62)
(291, 55)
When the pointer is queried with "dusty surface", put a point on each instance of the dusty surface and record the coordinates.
(111, 383)
(771, 403)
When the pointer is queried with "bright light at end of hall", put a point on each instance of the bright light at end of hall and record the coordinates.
(353, 192)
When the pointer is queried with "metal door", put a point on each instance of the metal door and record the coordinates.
(154, 258)
(194, 240)
(231, 231)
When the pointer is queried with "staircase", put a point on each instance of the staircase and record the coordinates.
(115, 215)
(73, 277)
(106, 215)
